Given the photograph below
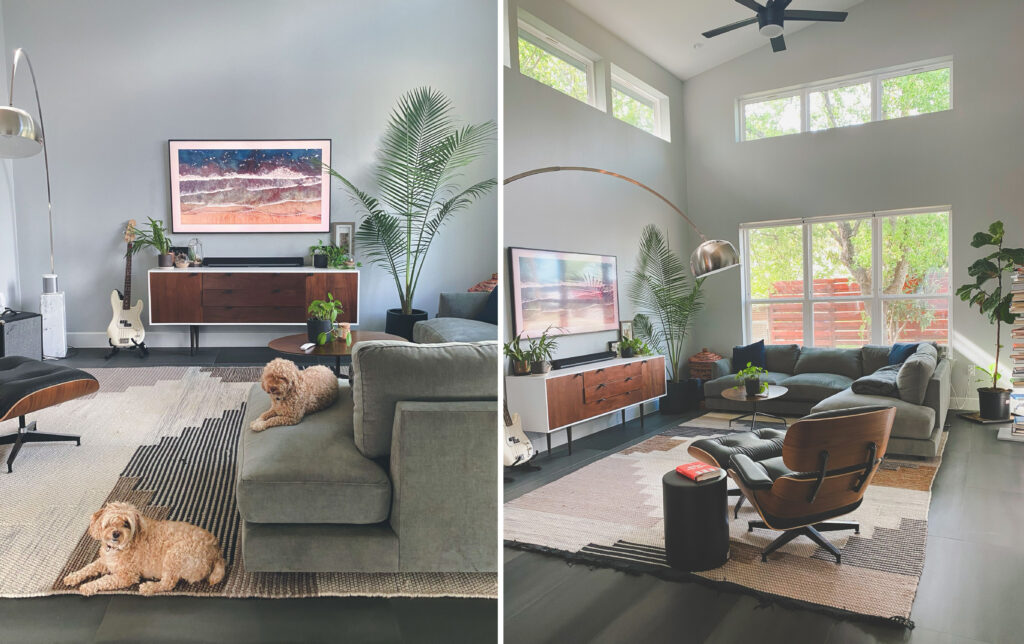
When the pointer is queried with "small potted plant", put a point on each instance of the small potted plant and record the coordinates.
(541, 349)
(322, 316)
(520, 357)
(157, 239)
(321, 254)
(630, 347)
(751, 379)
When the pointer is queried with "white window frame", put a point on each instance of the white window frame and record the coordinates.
(874, 77)
(555, 44)
(875, 301)
(631, 86)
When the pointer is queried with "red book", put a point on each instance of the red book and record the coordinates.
(697, 471)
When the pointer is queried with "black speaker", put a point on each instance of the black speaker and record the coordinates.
(21, 334)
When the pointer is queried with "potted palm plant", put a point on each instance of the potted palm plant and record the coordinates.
(994, 303)
(541, 349)
(156, 238)
(665, 302)
(519, 356)
(421, 158)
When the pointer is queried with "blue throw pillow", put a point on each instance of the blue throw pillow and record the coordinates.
(489, 314)
(901, 351)
(752, 353)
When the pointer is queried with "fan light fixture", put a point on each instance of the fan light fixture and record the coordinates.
(771, 18)
(711, 256)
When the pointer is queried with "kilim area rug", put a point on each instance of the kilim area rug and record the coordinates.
(609, 513)
(163, 438)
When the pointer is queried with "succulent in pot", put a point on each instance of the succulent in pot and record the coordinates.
(519, 355)
(750, 376)
(320, 327)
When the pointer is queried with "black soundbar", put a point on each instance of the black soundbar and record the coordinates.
(262, 262)
(601, 356)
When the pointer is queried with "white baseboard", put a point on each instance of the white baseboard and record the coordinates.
(208, 338)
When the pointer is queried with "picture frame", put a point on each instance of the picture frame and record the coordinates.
(250, 186)
(343, 235)
(626, 329)
(614, 346)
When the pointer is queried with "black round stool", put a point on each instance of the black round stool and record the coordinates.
(696, 522)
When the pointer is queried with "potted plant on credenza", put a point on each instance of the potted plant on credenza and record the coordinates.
(420, 160)
(156, 238)
(540, 352)
(994, 303)
(665, 302)
(519, 356)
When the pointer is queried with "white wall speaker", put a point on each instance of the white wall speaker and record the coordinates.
(55, 337)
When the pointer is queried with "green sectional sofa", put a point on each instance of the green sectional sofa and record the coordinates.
(820, 379)
(456, 320)
(397, 476)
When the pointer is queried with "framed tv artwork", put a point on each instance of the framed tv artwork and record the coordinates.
(250, 186)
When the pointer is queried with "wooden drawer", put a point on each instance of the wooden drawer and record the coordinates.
(606, 375)
(611, 403)
(265, 297)
(254, 282)
(654, 378)
(249, 314)
(565, 400)
(612, 388)
(175, 298)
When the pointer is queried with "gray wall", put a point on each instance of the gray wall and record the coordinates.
(969, 157)
(9, 288)
(118, 78)
(587, 212)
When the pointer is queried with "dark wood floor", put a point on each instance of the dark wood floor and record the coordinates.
(970, 590)
(118, 618)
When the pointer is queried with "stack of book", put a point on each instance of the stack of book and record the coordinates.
(1016, 429)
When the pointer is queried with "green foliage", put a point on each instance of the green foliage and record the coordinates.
(337, 257)
(637, 345)
(628, 109)
(551, 70)
(155, 238)
(992, 373)
(663, 299)
(542, 347)
(776, 255)
(328, 309)
(773, 117)
(749, 372)
(840, 106)
(915, 94)
(421, 158)
(334, 334)
(515, 350)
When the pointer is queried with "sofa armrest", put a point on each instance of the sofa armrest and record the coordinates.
(936, 395)
(721, 368)
(752, 474)
(444, 468)
(461, 305)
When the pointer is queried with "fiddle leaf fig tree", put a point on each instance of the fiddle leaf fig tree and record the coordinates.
(990, 298)
(420, 162)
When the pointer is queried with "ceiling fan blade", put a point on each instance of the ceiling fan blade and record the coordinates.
(750, 4)
(735, 25)
(778, 43)
(824, 16)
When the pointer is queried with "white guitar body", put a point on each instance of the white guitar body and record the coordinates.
(126, 325)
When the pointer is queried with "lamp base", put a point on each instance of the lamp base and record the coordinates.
(55, 338)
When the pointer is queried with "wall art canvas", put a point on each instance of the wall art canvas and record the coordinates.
(250, 186)
(568, 292)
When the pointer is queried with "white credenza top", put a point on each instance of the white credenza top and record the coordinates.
(253, 269)
(580, 368)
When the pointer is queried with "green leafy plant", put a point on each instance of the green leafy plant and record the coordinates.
(542, 347)
(751, 372)
(636, 345)
(421, 157)
(991, 300)
(991, 373)
(327, 310)
(664, 299)
(515, 350)
(155, 238)
(334, 334)
(337, 257)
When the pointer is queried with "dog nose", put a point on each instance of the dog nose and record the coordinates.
(115, 534)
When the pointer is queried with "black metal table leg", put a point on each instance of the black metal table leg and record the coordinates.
(549, 443)
(568, 432)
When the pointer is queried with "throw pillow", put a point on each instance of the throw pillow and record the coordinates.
(881, 382)
(489, 314)
(912, 379)
(845, 362)
(781, 358)
(752, 353)
(901, 351)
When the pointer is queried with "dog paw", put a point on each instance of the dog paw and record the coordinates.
(88, 590)
(257, 426)
(148, 588)
(72, 580)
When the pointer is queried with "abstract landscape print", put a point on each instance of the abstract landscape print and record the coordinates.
(250, 186)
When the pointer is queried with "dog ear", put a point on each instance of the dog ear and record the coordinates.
(94, 524)
(136, 522)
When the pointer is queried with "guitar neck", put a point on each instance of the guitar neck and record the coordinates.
(126, 302)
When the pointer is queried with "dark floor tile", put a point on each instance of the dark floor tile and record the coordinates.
(158, 357)
(51, 619)
(469, 621)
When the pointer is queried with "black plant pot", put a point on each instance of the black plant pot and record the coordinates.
(319, 260)
(540, 367)
(627, 352)
(398, 323)
(679, 397)
(993, 404)
(753, 386)
(315, 327)
(165, 260)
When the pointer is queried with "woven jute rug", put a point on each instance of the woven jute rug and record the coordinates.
(165, 439)
(609, 513)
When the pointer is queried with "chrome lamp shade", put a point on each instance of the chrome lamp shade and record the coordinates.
(19, 135)
(713, 256)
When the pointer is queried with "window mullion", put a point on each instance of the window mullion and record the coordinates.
(808, 307)
(877, 312)
(805, 112)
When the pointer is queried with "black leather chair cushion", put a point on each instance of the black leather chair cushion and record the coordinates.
(758, 445)
(20, 377)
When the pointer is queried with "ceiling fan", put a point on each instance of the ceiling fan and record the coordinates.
(771, 18)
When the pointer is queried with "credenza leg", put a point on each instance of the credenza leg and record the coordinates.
(193, 337)
(641, 415)
(568, 432)
(623, 416)
(549, 443)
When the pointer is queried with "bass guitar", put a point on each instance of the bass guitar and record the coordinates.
(125, 330)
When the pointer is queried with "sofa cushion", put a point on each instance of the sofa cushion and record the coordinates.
(901, 351)
(912, 421)
(453, 330)
(752, 353)
(812, 387)
(914, 374)
(310, 472)
(760, 444)
(489, 314)
(781, 357)
(714, 388)
(874, 357)
(880, 383)
(845, 362)
(385, 372)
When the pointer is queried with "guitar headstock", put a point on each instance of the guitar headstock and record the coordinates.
(129, 231)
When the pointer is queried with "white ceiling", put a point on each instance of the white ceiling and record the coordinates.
(667, 30)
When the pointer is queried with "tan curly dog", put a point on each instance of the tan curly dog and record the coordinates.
(294, 393)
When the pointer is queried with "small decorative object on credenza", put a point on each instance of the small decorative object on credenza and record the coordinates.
(125, 330)
(157, 239)
(195, 251)
(634, 347)
(418, 191)
(750, 376)
(992, 302)
(318, 251)
(702, 364)
(342, 234)
(519, 356)
(626, 330)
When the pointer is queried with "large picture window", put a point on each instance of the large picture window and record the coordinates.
(874, 278)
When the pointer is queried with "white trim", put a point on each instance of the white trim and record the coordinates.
(633, 87)
(560, 46)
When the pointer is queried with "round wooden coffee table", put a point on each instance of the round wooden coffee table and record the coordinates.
(291, 344)
(739, 394)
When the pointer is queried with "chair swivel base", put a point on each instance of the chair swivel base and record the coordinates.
(28, 434)
(812, 532)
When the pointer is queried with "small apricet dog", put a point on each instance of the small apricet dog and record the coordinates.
(134, 547)
(294, 393)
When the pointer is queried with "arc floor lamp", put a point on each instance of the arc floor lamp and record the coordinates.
(710, 256)
(20, 137)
